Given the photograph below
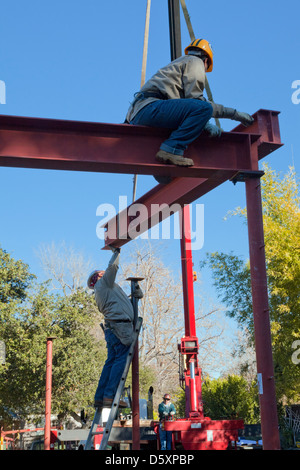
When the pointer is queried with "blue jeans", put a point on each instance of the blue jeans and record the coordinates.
(113, 368)
(186, 117)
(165, 438)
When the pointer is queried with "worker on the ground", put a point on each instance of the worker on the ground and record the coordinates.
(173, 99)
(166, 411)
(118, 313)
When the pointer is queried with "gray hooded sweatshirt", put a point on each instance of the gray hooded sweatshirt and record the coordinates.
(113, 302)
(182, 78)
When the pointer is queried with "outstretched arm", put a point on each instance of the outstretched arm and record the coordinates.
(220, 111)
(112, 268)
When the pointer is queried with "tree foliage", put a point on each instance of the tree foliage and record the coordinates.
(231, 274)
(231, 398)
(29, 314)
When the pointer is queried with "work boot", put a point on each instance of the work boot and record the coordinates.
(107, 403)
(179, 160)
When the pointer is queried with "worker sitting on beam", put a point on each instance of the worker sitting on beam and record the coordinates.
(173, 99)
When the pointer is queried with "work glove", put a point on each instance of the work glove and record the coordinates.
(220, 111)
(213, 131)
(114, 249)
(138, 293)
(244, 118)
(172, 413)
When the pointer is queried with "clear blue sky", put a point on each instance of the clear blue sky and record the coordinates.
(81, 60)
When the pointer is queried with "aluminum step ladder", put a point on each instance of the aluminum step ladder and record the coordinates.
(97, 421)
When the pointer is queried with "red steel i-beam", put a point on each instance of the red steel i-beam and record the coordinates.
(263, 343)
(48, 393)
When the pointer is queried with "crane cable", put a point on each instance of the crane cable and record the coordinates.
(144, 62)
(143, 75)
(192, 36)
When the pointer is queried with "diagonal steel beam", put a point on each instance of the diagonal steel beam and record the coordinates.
(156, 205)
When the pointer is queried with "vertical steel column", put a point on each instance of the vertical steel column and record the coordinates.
(48, 394)
(264, 359)
(135, 373)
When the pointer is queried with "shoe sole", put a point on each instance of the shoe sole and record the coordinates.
(175, 161)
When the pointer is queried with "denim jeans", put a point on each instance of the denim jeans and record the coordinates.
(113, 368)
(165, 438)
(186, 117)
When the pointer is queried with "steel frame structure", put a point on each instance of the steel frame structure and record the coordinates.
(83, 146)
(99, 147)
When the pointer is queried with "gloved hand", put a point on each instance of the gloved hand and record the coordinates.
(244, 118)
(172, 413)
(213, 131)
(114, 249)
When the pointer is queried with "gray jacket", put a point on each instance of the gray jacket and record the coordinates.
(182, 78)
(114, 303)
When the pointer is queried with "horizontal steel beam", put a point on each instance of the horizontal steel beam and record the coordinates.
(266, 124)
(121, 148)
(114, 148)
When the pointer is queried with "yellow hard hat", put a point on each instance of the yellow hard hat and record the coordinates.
(205, 47)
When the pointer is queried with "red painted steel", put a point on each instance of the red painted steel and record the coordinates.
(184, 190)
(187, 272)
(266, 124)
(116, 148)
(263, 343)
(69, 145)
(154, 207)
(203, 434)
(47, 436)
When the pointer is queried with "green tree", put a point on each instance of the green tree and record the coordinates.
(282, 246)
(29, 314)
(231, 398)
(15, 278)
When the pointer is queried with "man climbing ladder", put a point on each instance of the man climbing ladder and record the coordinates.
(118, 313)
(121, 329)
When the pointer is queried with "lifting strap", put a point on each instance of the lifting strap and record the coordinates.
(192, 37)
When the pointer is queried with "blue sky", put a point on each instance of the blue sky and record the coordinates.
(81, 60)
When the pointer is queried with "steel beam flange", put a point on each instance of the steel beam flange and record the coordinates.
(242, 176)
